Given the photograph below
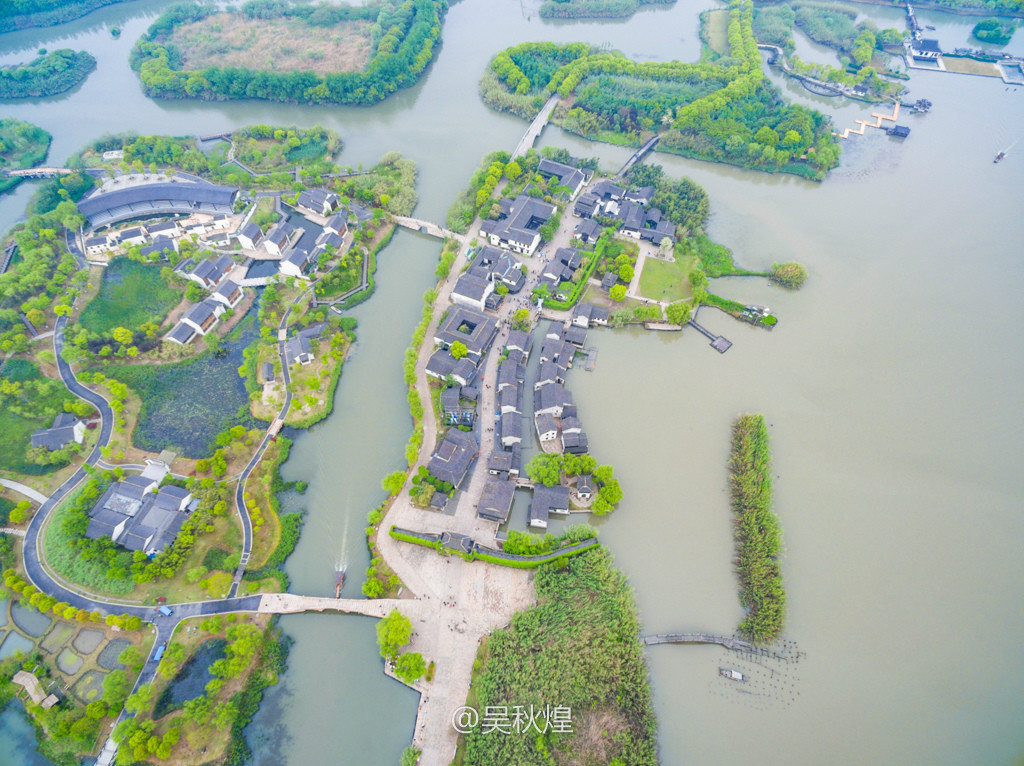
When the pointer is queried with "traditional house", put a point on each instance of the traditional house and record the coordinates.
(133, 236)
(135, 515)
(586, 314)
(210, 272)
(587, 230)
(519, 229)
(66, 428)
(454, 455)
(249, 236)
(203, 316)
(519, 340)
(276, 240)
(547, 500)
(496, 499)
(511, 429)
(510, 374)
(510, 399)
(161, 247)
(182, 334)
(473, 329)
(298, 349)
(442, 365)
(575, 336)
(96, 245)
(565, 175)
(472, 290)
(165, 229)
(338, 223)
(229, 293)
(547, 429)
(551, 399)
(318, 201)
(299, 262)
(548, 374)
(585, 486)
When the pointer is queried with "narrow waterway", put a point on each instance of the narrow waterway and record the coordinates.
(891, 386)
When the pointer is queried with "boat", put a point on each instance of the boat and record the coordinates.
(929, 26)
(340, 581)
(999, 156)
(732, 675)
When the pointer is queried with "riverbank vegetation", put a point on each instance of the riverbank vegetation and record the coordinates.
(46, 75)
(204, 723)
(344, 55)
(22, 145)
(578, 649)
(719, 109)
(132, 295)
(588, 9)
(22, 14)
(757, 532)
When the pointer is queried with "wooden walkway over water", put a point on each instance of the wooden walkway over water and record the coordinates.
(729, 642)
(718, 342)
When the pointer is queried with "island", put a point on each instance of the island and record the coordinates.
(720, 109)
(22, 145)
(47, 75)
(586, 9)
(312, 54)
(22, 14)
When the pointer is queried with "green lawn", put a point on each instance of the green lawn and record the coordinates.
(32, 407)
(717, 31)
(131, 295)
(663, 281)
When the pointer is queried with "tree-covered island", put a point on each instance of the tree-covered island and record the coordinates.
(47, 75)
(719, 109)
(282, 51)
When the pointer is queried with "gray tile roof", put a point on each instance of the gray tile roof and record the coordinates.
(453, 457)
(496, 499)
(481, 329)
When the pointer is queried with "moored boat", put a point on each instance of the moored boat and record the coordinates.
(732, 675)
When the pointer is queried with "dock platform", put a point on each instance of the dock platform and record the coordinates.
(718, 342)
(591, 362)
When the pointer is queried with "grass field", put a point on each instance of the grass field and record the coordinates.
(970, 66)
(665, 281)
(276, 45)
(130, 295)
(717, 31)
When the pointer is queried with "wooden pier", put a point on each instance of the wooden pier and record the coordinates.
(591, 362)
(718, 342)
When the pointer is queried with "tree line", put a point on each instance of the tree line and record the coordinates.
(757, 532)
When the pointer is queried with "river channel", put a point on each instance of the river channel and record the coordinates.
(892, 386)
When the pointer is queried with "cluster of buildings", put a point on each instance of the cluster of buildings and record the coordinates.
(631, 208)
(162, 238)
(492, 274)
(201, 318)
(139, 514)
(297, 250)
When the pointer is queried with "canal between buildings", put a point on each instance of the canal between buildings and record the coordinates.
(891, 386)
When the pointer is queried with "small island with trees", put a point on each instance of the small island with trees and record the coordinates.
(22, 145)
(296, 53)
(589, 9)
(49, 74)
(995, 31)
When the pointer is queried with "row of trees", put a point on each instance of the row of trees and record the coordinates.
(580, 9)
(758, 537)
(401, 54)
(46, 75)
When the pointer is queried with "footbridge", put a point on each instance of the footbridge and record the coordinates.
(290, 603)
(49, 172)
(532, 132)
(729, 642)
(427, 227)
(637, 156)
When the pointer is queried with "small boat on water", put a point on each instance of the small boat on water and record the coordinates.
(732, 675)
(340, 581)
(999, 156)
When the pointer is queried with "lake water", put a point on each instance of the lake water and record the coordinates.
(891, 386)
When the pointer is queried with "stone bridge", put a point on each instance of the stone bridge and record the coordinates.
(427, 227)
(290, 603)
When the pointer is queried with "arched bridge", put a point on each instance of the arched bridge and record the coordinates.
(49, 172)
(427, 227)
